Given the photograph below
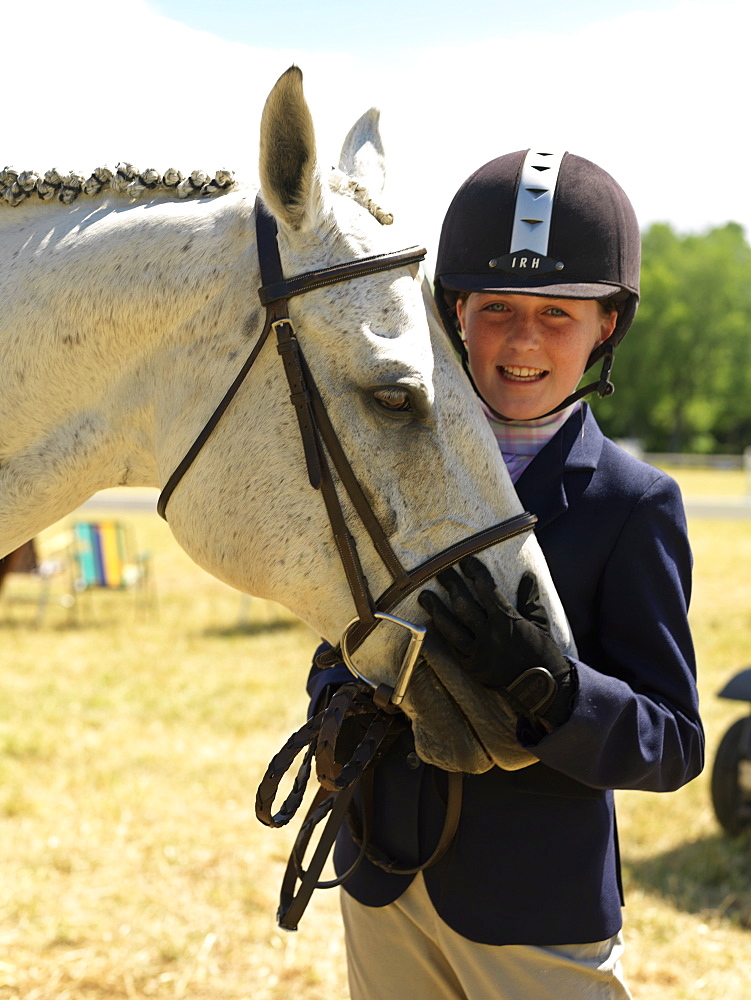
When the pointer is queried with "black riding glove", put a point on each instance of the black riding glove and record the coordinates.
(505, 649)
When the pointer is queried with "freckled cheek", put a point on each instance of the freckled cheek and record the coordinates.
(483, 347)
(483, 363)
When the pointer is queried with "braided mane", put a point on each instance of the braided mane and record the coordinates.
(16, 186)
(342, 184)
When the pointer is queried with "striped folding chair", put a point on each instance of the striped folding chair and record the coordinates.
(106, 557)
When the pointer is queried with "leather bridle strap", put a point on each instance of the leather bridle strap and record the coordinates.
(314, 425)
(417, 577)
(338, 783)
(211, 423)
(274, 293)
(360, 829)
(319, 440)
(316, 428)
(319, 472)
(276, 288)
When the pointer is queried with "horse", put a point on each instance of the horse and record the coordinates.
(127, 308)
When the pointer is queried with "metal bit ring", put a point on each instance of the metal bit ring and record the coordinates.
(417, 635)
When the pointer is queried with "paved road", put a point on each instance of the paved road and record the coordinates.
(731, 507)
(123, 499)
(145, 499)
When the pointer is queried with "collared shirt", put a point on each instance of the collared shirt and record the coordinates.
(521, 440)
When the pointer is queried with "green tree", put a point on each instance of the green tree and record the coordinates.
(683, 374)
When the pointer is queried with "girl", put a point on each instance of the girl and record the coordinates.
(537, 279)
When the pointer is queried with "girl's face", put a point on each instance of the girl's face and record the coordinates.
(527, 353)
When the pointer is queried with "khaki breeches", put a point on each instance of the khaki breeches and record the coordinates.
(405, 951)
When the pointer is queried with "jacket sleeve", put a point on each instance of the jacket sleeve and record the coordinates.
(635, 720)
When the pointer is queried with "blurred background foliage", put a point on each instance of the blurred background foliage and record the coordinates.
(683, 374)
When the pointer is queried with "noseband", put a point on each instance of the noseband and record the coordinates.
(319, 439)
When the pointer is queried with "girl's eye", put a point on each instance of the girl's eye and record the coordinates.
(496, 306)
(555, 311)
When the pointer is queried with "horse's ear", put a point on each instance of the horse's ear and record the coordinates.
(289, 178)
(362, 154)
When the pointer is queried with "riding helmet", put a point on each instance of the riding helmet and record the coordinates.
(540, 223)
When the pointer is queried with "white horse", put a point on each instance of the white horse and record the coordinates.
(122, 322)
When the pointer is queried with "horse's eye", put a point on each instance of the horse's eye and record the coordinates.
(393, 398)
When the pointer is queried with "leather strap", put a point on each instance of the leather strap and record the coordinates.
(353, 698)
(274, 292)
(211, 423)
(292, 903)
(301, 739)
(419, 576)
(360, 832)
(339, 766)
(352, 486)
(334, 796)
(300, 397)
(286, 288)
(318, 468)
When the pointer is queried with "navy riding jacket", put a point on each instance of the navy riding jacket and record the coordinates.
(535, 859)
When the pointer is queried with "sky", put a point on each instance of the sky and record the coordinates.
(655, 91)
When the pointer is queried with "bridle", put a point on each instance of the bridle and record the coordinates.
(321, 445)
(319, 439)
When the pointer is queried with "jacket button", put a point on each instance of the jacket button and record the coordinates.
(413, 760)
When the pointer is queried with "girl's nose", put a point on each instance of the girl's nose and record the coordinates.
(524, 332)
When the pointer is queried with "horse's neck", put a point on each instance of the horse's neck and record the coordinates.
(85, 292)
(99, 307)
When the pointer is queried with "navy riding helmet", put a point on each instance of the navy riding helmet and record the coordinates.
(541, 223)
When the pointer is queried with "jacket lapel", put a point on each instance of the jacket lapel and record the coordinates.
(542, 486)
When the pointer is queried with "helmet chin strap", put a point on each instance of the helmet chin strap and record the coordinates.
(603, 387)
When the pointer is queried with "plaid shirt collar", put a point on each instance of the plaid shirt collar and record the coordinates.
(521, 440)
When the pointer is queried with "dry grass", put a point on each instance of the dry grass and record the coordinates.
(131, 862)
(688, 916)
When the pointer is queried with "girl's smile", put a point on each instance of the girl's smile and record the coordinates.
(521, 374)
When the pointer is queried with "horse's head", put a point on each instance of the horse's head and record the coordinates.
(406, 418)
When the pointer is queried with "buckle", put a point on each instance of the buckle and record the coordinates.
(534, 689)
(388, 695)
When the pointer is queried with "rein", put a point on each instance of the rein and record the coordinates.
(322, 737)
(340, 768)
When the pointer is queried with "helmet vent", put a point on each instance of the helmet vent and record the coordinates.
(534, 202)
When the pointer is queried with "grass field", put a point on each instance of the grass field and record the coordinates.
(131, 743)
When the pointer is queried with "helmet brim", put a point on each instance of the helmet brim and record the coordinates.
(508, 286)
